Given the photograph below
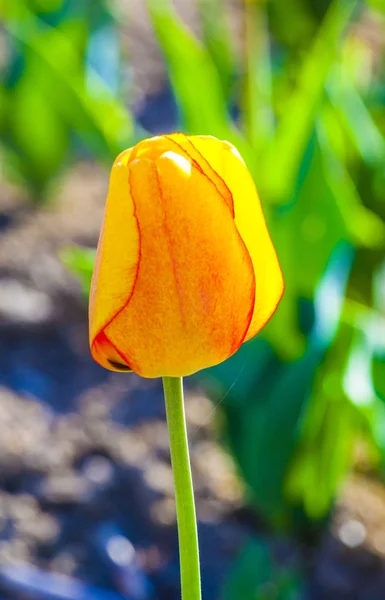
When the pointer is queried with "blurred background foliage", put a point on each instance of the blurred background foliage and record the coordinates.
(60, 81)
(304, 101)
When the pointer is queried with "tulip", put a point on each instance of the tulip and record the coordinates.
(185, 269)
(185, 272)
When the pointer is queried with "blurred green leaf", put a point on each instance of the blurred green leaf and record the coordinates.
(264, 412)
(326, 209)
(284, 154)
(257, 99)
(51, 99)
(305, 234)
(363, 225)
(80, 261)
(298, 14)
(238, 378)
(367, 138)
(197, 87)
(377, 5)
(324, 452)
(48, 6)
(218, 39)
(3, 103)
(360, 378)
(318, 225)
(365, 376)
(378, 370)
(37, 131)
(358, 383)
(283, 331)
(379, 289)
(98, 113)
(256, 576)
(267, 426)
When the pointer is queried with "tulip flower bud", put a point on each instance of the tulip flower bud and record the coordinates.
(185, 269)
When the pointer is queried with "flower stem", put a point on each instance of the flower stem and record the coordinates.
(184, 493)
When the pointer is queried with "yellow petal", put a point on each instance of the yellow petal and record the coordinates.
(118, 253)
(250, 221)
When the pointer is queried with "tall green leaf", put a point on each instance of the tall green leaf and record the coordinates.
(257, 95)
(194, 77)
(284, 154)
(80, 261)
(264, 416)
(324, 450)
(256, 576)
(218, 39)
(363, 226)
(365, 135)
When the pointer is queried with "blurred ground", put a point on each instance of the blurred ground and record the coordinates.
(82, 448)
(84, 454)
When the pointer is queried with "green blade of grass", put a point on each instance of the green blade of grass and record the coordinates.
(80, 262)
(257, 100)
(217, 37)
(283, 157)
(194, 77)
(99, 115)
(364, 226)
(365, 135)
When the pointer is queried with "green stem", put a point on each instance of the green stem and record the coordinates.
(184, 493)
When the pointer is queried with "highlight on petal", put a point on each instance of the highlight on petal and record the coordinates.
(193, 299)
(186, 145)
(182, 162)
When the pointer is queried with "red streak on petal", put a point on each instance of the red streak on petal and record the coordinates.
(250, 313)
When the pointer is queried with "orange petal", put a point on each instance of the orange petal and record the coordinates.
(118, 253)
(194, 292)
(251, 224)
